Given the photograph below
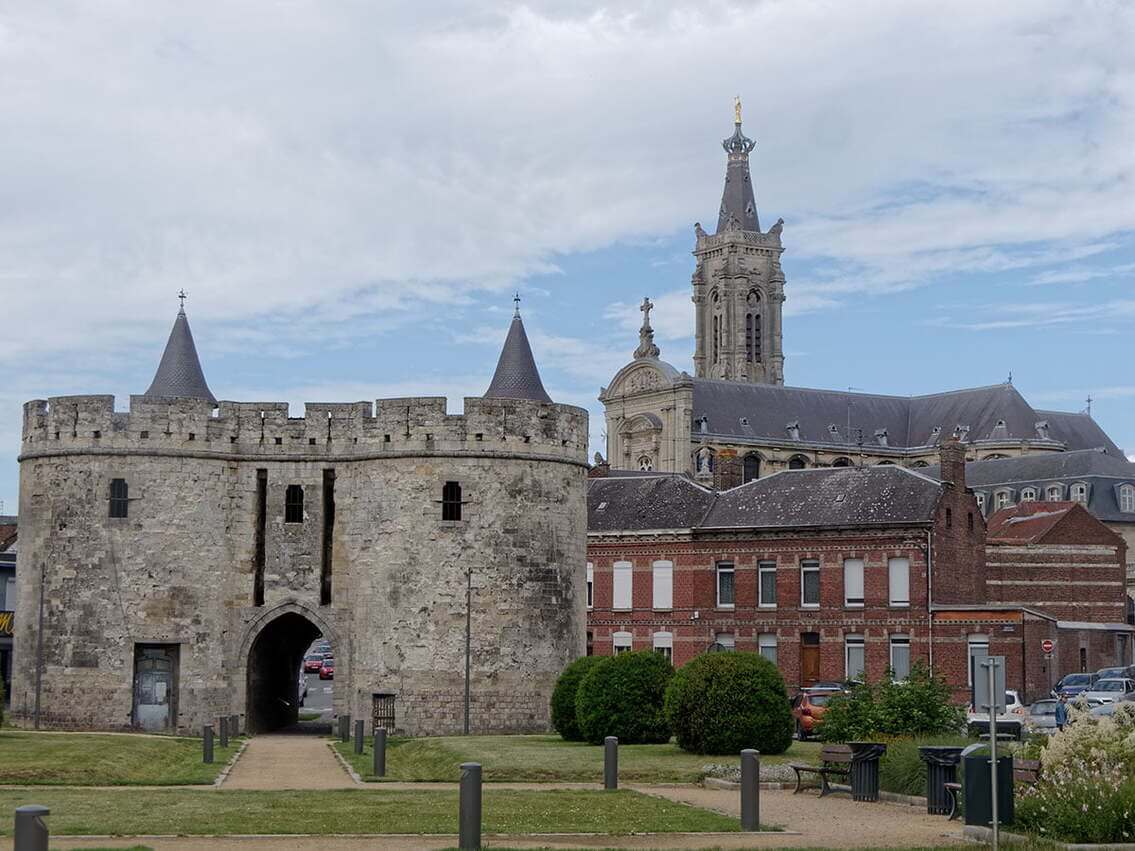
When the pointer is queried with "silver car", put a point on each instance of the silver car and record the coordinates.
(1042, 717)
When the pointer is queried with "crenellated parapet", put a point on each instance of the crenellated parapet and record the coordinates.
(346, 430)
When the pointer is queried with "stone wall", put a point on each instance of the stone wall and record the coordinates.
(180, 568)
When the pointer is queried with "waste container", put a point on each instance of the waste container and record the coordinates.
(865, 770)
(977, 791)
(941, 768)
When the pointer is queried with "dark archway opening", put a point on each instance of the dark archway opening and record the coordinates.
(275, 672)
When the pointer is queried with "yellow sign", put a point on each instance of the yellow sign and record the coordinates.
(6, 622)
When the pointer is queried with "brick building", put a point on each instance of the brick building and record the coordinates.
(840, 573)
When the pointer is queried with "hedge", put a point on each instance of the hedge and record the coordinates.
(622, 696)
(563, 698)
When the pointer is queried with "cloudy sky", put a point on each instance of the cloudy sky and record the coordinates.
(350, 192)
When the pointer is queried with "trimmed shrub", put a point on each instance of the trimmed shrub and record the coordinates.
(622, 696)
(922, 705)
(902, 770)
(720, 703)
(563, 698)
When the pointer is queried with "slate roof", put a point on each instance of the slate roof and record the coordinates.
(1104, 474)
(990, 413)
(637, 503)
(838, 497)
(516, 376)
(828, 497)
(179, 372)
(737, 198)
(7, 531)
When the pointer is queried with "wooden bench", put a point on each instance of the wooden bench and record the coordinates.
(835, 760)
(1026, 771)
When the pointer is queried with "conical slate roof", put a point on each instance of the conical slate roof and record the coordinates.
(179, 373)
(516, 376)
(738, 206)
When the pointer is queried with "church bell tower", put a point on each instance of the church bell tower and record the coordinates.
(738, 283)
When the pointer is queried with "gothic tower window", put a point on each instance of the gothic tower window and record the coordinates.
(451, 501)
(645, 463)
(752, 467)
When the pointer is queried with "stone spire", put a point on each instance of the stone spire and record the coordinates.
(179, 372)
(516, 376)
(738, 206)
(646, 347)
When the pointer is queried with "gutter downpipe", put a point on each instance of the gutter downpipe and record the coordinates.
(930, 594)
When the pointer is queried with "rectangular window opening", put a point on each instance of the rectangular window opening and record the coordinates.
(293, 504)
(621, 642)
(119, 498)
(622, 577)
(451, 501)
(663, 585)
(810, 584)
(766, 589)
(725, 585)
(900, 657)
(766, 646)
(258, 540)
(853, 582)
(328, 536)
(899, 581)
(590, 585)
(854, 657)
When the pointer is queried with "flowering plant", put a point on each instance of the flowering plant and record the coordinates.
(1086, 791)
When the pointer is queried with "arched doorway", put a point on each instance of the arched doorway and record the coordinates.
(276, 679)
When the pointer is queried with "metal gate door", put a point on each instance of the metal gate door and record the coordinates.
(155, 686)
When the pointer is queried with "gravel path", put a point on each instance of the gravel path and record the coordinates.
(288, 762)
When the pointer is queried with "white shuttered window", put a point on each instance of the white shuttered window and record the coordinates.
(663, 585)
(622, 585)
(899, 569)
(853, 582)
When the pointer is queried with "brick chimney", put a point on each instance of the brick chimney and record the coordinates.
(952, 458)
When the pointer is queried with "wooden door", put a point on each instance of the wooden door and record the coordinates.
(809, 658)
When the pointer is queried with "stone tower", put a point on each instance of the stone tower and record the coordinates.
(738, 283)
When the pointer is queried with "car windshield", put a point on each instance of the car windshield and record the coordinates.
(320, 659)
(1107, 685)
(1043, 707)
(1076, 680)
(1109, 673)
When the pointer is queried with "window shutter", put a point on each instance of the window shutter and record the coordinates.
(853, 581)
(622, 583)
(663, 585)
(900, 581)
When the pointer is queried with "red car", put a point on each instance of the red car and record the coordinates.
(327, 670)
(312, 663)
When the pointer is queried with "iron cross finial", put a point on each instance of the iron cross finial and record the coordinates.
(645, 307)
(516, 304)
(182, 296)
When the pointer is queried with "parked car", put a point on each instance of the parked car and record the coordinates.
(312, 663)
(327, 672)
(808, 709)
(1071, 685)
(1108, 691)
(1121, 672)
(1111, 708)
(1042, 717)
(1010, 722)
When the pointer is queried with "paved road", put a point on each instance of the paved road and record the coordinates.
(319, 694)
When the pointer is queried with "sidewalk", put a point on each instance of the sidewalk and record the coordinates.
(288, 762)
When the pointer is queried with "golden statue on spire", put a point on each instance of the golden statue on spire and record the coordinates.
(737, 109)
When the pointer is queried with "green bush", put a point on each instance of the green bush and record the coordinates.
(901, 770)
(720, 703)
(921, 705)
(622, 696)
(563, 698)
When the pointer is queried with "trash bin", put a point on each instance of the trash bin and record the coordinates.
(977, 791)
(941, 768)
(865, 770)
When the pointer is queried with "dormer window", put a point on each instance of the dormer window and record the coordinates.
(961, 432)
(881, 436)
(833, 430)
(793, 429)
(1002, 499)
(1079, 493)
(703, 424)
(935, 433)
(1054, 493)
(980, 497)
(1127, 499)
(1028, 494)
(1041, 427)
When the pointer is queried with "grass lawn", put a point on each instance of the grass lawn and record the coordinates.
(543, 759)
(133, 812)
(90, 759)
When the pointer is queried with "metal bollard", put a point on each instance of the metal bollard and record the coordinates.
(344, 728)
(469, 814)
(31, 832)
(207, 744)
(234, 725)
(750, 789)
(380, 752)
(223, 724)
(611, 763)
(359, 736)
